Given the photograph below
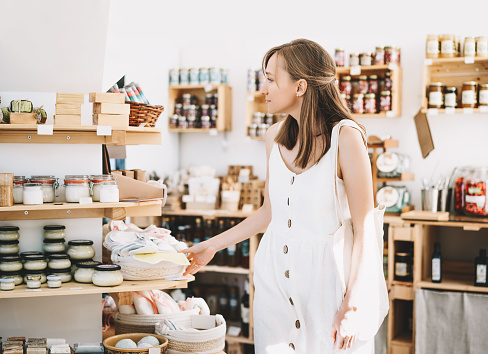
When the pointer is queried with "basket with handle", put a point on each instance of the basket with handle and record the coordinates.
(144, 113)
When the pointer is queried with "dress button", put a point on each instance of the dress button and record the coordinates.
(292, 346)
(285, 249)
(289, 223)
(292, 179)
(297, 324)
(291, 301)
(288, 201)
(287, 273)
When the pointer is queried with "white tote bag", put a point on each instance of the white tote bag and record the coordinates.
(375, 304)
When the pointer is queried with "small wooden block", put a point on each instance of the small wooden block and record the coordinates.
(111, 108)
(113, 120)
(107, 97)
(426, 215)
(70, 98)
(23, 118)
(64, 108)
(67, 119)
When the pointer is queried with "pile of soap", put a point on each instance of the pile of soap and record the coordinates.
(146, 342)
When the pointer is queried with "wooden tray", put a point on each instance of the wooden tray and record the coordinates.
(426, 215)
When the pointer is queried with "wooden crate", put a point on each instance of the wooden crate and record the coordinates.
(102, 97)
(67, 119)
(70, 98)
(23, 118)
(111, 108)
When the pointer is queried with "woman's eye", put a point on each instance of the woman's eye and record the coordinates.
(269, 80)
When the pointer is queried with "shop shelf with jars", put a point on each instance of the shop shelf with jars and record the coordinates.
(257, 118)
(200, 108)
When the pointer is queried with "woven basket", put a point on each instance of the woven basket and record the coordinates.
(144, 113)
(110, 342)
(133, 269)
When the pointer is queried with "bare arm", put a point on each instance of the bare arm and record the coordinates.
(203, 252)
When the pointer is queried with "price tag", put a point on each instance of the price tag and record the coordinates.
(86, 200)
(427, 61)
(32, 290)
(250, 98)
(467, 110)
(392, 66)
(105, 130)
(390, 114)
(233, 331)
(76, 288)
(154, 350)
(247, 208)
(450, 110)
(208, 88)
(484, 109)
(432, 111)
(355, 70)
(468, 60)
(213, 132)
(44, 129)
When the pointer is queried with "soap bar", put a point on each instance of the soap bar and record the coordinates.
(54, 341)
(81, 348)
(35, 350)
(60, 349)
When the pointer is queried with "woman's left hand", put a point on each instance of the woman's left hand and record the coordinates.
(344, 330)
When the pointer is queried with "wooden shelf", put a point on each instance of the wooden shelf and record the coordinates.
(454, 282)
(225, 269)
(85, 134)
(240, 339)
(114, 211)
(466, 225)
(403, 339)
(442, 111)
(456, 60)
(207, 213)
(74, 288)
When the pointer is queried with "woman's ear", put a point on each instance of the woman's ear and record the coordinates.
(301, 87)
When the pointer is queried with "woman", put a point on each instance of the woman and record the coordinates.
(296, 281)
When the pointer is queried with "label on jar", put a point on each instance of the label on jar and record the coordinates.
(450, 99)
(479, 200)
(482, 48)
(447, 46)
(388, 196)
(433, 47)
(469, 49)
(481, 273)
(484, 97)
(436, 269)
(401, 269)
(469, 97)
(435, 98)
(388, 162)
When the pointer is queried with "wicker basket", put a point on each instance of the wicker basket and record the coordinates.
(110, 342)
(144, 113)
(133, 269)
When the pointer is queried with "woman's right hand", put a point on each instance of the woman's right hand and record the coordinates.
(199, 256)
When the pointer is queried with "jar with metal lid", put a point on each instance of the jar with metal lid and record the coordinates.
(388, 83)
(10, 263)
(24, 255)
(33, 194)
(109, 192)
(33, 281)
(214, 111)
(447, 46)
(35, 262)
(450, 97)
(363, 84)
(77, 187)
(173, 121)
(482, 46)
(80, 250)
(483, 95)
(84, 271)
(9, 247)
(178, 109)
(58, 261)
(203, 76)
(40, 273)
(373, 84)
(469, 93)
(9, 233)
(269, 119)
(194, 76)
(392, 55)
(54, 232)
(216, 99)
(209, 99)
(475, 192)
(205, 122)
(53, 281)
(436, 94)
(107, 275)
(186, 99)
(366, 59)
(339, 57)
(182, 122)
(96, 181)
(18, 190)
(262, 128)
(357, 103)
(252, 130)
(353, 59)
(432, 46)
(346, 100)
(53, 245)
(7, 284)
(17, 276)
(205, 110)
(345, 84)
(403, 266)
(385, 101)
(370, 103)
(215, 75)
(258, 118)
(379, 55)
(394, 198)
(65, 274)
(48, 186)
(469, 47)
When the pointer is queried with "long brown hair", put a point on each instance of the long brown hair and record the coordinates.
(322, 104)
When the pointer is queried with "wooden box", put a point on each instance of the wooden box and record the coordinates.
(70, 98)
(67, 119)
(114, 120)
(111, 108)
(23, 118)
(102, 97)
(65, 108)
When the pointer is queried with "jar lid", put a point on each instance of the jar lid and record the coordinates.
(58, 271)
(107, 267)
(28, 185)
(385, 93)
(88, 264)
(53, 277)
(76, 178)
(80, 243)
(436, 84)
(339, 49)
(179, 105)
(370, 95)
(373, 77)
(10, 274)
(253, 126)
(357, 95)
(30, 253)
(452, 89)
(7, 280)
(366, 53)
(363, 77)
(470, 83)
(205, 106)
(58, 256)
(48, 240)
(100, 178)
(33, 276)
(346, 78)
(43, 179)
(381, 48)
(9, 228)
(11, 242)
(213, 106)
(15, 258)
(403, 254)
(29, 272)
(20, 179)
(109, 183)
(54, 227)
(205, 118)
(34, 257)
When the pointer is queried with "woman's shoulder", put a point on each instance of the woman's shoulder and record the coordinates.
(272, 132)
(350, 135)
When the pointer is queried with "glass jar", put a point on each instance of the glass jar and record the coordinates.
(107, 275)
(258, 118)
(183, 76)
(436, 94)
(9, 247)
(17, 276)
(58, 261)
(469, 47)
(450, 97)
(186, 99)
(339, 57)
(80, 250)
(379, 55)
(403, 266)
(432, 46)
(269, 119)
(482, 46)
(363, 84)
(33, 194)
(388, 82)
(205, 122)
(346, 99)
(182, 122)
(483, 95)
(48, 186)
(54, 246)
(109, 192)
(262, 128)
(96, 181)
(394, 198)
(447, 46)
(209, 99)
(84, 271)
(346, 86)
(77, 187)
(458, 51)
(475, 192)
(24, 255)
(353, 59)
(392, 164)
(40, 273)
(178, 109)
(10, 263)
(173, 121)
(392, 55)
(385, 101)
(18, 190)
(370, 103)
(9, 233)
(366, 59)
(373, 84)
(53, 281)
(7, 284)
(469, 99)
(252, 130)
(64, 274)
(357, 103)
(457, 186)
(54, 232)
(35, 262)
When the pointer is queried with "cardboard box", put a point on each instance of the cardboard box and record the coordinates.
(70, 98)
(140, 175)
(111, 108)
(128, 173)
(113, 120)
(65, 108)
(102, 97)
(134, 190)
(67, 119)
(23, 118)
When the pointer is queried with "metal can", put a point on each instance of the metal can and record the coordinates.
(194, 76)
(174, 77)
(373, 84)
(345, 85)
(339, 57)
(357, 103)
(203, 76)
(379, 56)
(392, 55)
(366, 59)
(184, 76)
(370, 103)
(363, 84)
(215, 76)
(353, 59)
(385, 101)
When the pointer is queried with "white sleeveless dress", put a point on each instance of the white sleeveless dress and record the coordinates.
(296, 283)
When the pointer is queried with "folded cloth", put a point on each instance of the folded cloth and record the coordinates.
(195, 302)
(165, 302)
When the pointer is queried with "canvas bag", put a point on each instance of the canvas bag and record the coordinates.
(375, 304)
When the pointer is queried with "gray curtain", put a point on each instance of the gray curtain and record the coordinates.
(380, 338)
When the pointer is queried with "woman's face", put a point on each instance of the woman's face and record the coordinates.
(279, 89)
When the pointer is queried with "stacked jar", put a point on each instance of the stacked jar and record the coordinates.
(449, 46)
(260, 123)
(381, 56)
(473, 95)
(80, 250)
(10, 262)
(198, 76)
(18, 190)
(189, 114)
(370, 94)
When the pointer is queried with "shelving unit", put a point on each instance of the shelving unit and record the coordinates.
(224, 118)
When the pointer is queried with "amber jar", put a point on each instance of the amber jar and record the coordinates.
(483, 95)
(436, 94)
(385, 101)
(469, 99)
(450, 97)
(373, 84)
(357, 103)
(469, 47)
(447, 46)
(403, 266)
(432, 46)
(346, 86)
(363, 84)
(370, 103)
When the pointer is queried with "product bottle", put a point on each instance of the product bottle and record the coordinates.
(480, 266)
(245, 253)
(234, 314)
(198, 233)
(231, 250)
(245, 310)
(437, 264)
(209, 232)
(220, 256)
(224, 300)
